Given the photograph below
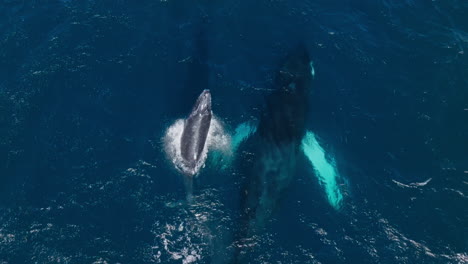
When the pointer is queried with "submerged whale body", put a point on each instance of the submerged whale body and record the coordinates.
(195, 133)
(276, 146)
(276, 143)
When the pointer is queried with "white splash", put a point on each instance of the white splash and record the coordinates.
(176, 242)
(413, 184)
(217, 139)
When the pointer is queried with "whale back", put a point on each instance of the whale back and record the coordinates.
(196, 129)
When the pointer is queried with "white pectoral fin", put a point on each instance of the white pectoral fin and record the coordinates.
(325, 170)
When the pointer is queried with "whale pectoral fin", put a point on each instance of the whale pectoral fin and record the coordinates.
(325, 170)
(222, 155)
(242, 133)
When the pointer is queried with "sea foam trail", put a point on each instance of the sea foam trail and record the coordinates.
(325, 170)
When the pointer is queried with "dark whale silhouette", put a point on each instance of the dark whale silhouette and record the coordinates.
(279, 135)
(276, 146)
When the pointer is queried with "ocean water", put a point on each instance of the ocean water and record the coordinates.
(88, 90)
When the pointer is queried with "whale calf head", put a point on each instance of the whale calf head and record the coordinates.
(203, 104)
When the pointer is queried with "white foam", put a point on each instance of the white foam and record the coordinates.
(218, 138)
(176, 242)
(413, 184)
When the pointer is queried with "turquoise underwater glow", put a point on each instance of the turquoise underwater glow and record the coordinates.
(325, 170)
(242, 132)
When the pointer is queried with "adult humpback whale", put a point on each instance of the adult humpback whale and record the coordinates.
(195, 133)
(279, 142)
(280, 131)
(276, 147)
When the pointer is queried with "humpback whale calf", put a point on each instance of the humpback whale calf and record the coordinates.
(187, 140)
(195, 133)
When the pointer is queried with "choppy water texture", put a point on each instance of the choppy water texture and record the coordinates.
(88, 90)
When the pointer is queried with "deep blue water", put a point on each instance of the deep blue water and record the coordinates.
(88, 89)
